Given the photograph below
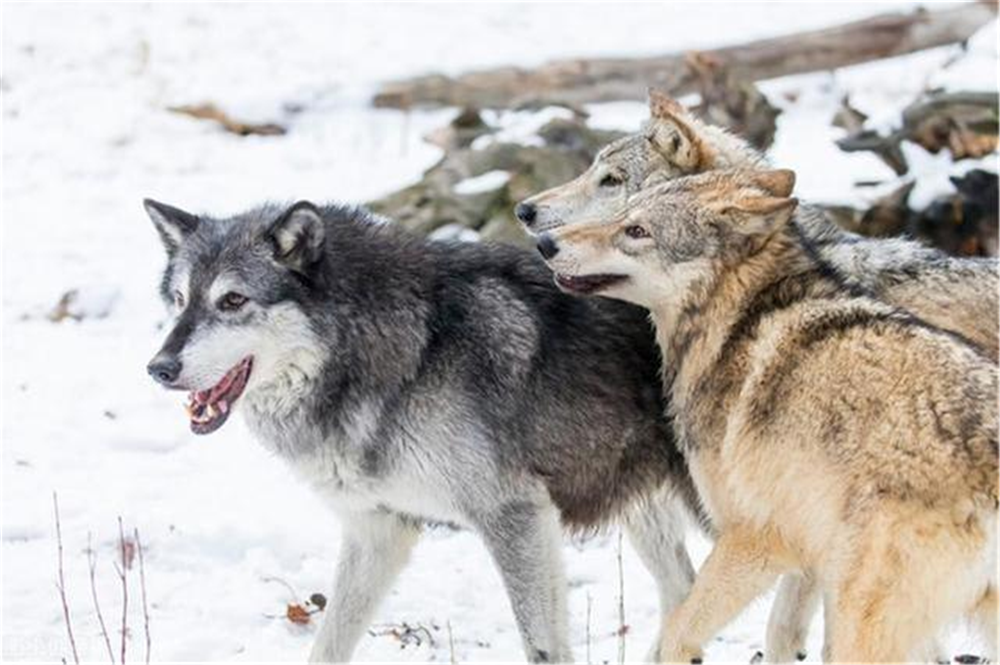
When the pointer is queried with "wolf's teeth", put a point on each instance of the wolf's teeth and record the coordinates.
(224, 406)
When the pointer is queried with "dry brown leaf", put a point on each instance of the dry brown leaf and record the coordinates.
(297, 614)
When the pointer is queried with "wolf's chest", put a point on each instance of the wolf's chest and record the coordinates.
(334, 462)
(356, 465)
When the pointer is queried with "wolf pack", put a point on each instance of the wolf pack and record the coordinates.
(690, 348)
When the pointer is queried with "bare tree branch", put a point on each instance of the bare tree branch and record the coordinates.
(142, 586)
(123, 575)
(61, 585)
(92, 562)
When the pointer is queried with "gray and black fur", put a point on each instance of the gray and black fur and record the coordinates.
(416, 382)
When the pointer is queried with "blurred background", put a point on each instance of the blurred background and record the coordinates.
(889, 121)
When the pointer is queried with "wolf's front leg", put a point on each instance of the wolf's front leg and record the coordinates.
(375, 547)
(788, 626)
(656, 531)
(525, 541)
(740, 568)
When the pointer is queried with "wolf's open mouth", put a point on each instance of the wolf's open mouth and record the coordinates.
(208, 409)
(586, 283)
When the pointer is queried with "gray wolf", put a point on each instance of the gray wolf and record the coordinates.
(956, 294)
(414, 382)
(826, 431)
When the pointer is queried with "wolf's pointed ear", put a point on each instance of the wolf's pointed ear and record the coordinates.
(778, 182)
(673, 134)
(662, 105)
(298, 236)
(760, 213)
(173, 224)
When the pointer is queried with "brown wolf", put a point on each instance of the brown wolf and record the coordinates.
(957, 294)
(826, 431)
(953, 293)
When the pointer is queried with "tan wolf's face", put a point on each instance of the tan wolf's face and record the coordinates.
(671, 236)
(669, 146)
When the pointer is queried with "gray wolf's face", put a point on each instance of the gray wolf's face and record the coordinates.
(235, 288)
(671, 236)
(667, 147)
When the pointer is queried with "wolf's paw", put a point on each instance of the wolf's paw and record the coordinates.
(785, 646)
(679, 653)
(969, 659)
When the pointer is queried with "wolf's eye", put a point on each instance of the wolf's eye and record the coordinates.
(611, 180)
(636, 232)
(178, 300)
(232, 301)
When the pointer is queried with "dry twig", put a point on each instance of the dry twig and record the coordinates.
(92, 562)
(142, 587)
(61, 585)
(122, 574)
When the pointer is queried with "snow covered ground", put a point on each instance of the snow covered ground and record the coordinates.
(86, 137)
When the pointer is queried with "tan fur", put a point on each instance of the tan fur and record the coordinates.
(826, 431)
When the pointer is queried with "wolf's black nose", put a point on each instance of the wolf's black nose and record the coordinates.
(525, 212)
(547, 246)
(164, 369)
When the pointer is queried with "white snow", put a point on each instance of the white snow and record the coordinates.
(86, 137)
(519, 126)
(487, 182)
(454, 232)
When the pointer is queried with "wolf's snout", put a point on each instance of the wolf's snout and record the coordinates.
(164, 369)
(547, 246)
(525, 212)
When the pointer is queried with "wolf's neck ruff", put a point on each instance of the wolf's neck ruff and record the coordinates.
(719, 314)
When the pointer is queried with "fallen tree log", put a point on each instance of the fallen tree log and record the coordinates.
(580, 81)
(964, 123)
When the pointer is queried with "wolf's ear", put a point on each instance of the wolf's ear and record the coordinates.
(778, 182)
(173, 224)
(298, 236)
(760, 214)
(672, 133)
(662, 105)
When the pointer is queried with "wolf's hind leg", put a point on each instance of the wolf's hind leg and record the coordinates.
(788, 626)
(741, 567)
(656, 531)
(375, 548)
(525, 541)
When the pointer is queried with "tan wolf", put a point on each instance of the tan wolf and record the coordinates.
(826, 431)
(955, 294)
(958, 294)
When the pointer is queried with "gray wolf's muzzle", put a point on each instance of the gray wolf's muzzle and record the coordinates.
(166, 365)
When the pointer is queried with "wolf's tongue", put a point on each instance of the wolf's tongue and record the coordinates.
(209, 409)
